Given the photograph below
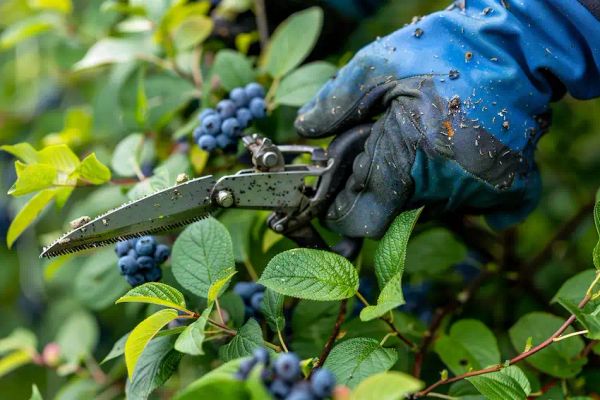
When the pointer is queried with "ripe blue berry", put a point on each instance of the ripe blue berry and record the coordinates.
(161, 253)
(279, 388)
(128, 265)
(246, 289)
(226, 109)
(205, 113)
(245, 368)
(258, 107)
(223, 141)
(301, 391)
(244, 116)
(212, 124)
(231, 127)
(207, 142)
(256, 300)
(122, 248)
(146, 262)
(254, 90)
(145, 246)
(153, 275)
(198, 133)
(239, 97)
(261, 355)
(322, 382)
(287, 367)
(135, 279)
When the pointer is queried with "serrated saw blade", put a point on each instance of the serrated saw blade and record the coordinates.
(167, 209)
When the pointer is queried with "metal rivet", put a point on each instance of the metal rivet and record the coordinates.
(225, 198)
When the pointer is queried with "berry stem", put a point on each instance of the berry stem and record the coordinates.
(222, 327)
(362, 299)
(280, 336)
(219, 311)
(334, 334)
(273, 346)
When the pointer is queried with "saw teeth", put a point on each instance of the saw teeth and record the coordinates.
(49, 253)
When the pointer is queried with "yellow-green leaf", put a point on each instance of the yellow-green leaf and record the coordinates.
(191, 339)
(63, 6)
(192, 31)
(387, 386)
(33, 177)
(28, 213)
(93, 171)
(23, 151)
(142, 334)
(35, 393)
(13, 361)
(155, 293)
(27, 28)
(59, 156)
(218, 286)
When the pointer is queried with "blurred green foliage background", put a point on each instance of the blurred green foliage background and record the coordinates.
(43, 101)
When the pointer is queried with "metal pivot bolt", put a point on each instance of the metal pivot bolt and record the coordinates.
(225, 198)
(270, 159)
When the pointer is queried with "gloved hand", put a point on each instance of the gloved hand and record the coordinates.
(461, 99)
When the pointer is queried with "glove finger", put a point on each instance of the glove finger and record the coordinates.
(348, 98)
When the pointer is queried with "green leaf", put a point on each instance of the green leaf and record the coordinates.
(387, 386)
(14, 360)
(142, 334)
(560, 359)
(247, 339)
(35, 393)
(354, 360)
(19, 339)
(390, 297)
(588, 317)
(434, 251)
(77, 337)
(285, 51)
(93, 171)
(79, 388)
(218, 287)
(272, 310)
(27, 28)
(63, 6)
(215, 387)
(311, 274)
(98, 283)
(191, 339)
(117, 350)
(33, 177)
(196, 389)
(508, 384)
(302, 84)
(233, 69)
(112, 50)
(154, 367)
(23, 151)
(164, 176)
(155, 293)
(575, 288)
(192, 31)
(469, 345)
(312, 322)
(202, 255)
(62, 158)
(130, 154)
(27, 214)
(596, 252)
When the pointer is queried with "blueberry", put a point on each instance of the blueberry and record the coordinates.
(146, 262)
(212, 124)
(135, 279)
(322, 382)
(198, 133)
(161, 253)
(205, 113)
(128, 265)
(207, 143)
(226, 109)
(254, 90)
(223, 141)
(244, 116)
(245, 367)
(279, 389)
(145, 246)
(256, 300)
(248, 312)
(261, 355)
(301, 391)
(258, 107)
(287, 367)
(122, 248)
(246, 289)
(239, 97)
(153, 275)
(231, 127)
(132, 242)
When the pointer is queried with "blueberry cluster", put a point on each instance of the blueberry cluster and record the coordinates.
(140, 259)
(283, 377)
(252, 293)
(221, 127)
(417, 300)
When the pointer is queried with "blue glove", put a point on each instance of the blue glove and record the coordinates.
(462, 98)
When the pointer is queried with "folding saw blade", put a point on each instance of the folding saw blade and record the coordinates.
(167, 209)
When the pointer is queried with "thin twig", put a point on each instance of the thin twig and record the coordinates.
(222, 327)
(280, 336)
(397, 333)
(563, 337)
(197, 68)
(334, 334)
(512, 361)
(261, 22)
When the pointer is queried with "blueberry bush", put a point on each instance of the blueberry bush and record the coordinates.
(105, 101)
